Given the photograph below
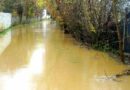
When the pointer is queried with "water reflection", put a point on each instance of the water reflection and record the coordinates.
(22, 79)
(30, 49)
(37, 61)
(5, 41)
(45, 27)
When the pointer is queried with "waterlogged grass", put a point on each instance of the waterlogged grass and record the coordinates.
(5, 31)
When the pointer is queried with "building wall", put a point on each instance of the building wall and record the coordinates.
(5, 20)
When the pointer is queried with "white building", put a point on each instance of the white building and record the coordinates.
(5, 20)
(45, 15)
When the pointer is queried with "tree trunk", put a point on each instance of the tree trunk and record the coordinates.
(121, 49)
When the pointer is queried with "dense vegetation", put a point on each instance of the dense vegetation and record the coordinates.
(92, 22)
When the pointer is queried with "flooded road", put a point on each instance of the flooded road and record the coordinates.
(40, 57)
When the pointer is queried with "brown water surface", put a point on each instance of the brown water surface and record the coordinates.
(40, 57)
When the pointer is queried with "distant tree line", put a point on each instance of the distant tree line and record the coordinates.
(27, 8)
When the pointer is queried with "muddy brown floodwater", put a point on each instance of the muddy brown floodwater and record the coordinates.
(40, 57)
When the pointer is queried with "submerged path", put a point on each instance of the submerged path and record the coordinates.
(40, 57)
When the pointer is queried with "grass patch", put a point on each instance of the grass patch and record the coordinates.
(5, 31)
